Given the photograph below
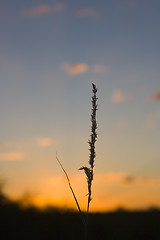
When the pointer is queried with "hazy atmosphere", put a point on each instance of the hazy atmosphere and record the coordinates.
(50, 54)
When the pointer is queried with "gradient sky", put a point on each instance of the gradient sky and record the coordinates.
(50, 53)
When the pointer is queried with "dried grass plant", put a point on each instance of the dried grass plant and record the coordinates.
(88, 170)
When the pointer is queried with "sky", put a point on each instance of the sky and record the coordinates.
(50, 53)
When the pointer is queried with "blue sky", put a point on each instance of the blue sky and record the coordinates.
(50, 53)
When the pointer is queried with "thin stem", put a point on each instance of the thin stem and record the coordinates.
(79, 209)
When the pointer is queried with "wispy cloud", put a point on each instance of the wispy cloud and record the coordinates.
(44, 142)
(58, 7)
(86, 12)
(98, 68)
(11, 156)
(80, 67)
(43, 9)
(155, 97)
(75, 69)
(117, 96)
(124, 178)
(37, 11)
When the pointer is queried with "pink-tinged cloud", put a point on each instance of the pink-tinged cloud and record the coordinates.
(43, 9)
(75, 69)
(38, 10)
(11, 156)
(98, 68)
(58, 7)
(155, 97)
(44, 142)
(117, 96)
(86, 12)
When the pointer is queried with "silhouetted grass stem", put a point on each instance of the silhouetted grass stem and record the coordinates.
(93, 137)
(88, 170)
(79, 209)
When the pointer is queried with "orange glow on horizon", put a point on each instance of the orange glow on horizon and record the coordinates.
(110, 191)
(98, 205)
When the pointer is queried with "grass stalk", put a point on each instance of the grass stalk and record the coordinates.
(88, 170)
(93, 137)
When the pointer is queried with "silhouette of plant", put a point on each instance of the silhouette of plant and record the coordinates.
(88, 170)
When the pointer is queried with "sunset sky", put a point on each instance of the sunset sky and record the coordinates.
(50, 53)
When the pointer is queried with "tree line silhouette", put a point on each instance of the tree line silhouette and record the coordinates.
(32, 223)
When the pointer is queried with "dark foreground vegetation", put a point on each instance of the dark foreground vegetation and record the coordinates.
(52, 224)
